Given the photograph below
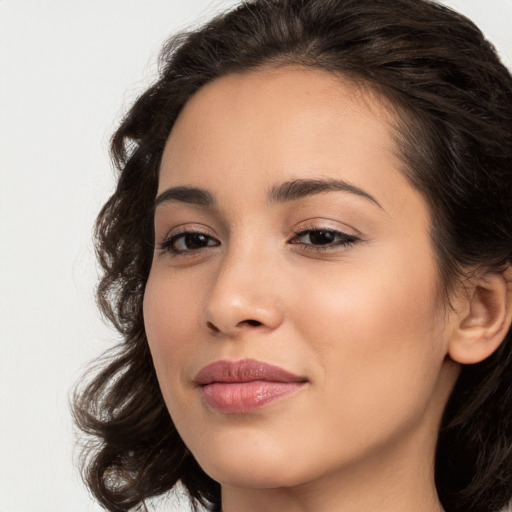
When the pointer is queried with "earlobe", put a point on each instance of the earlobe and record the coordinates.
(486, 318)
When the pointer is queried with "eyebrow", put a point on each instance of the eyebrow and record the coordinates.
(190, 195)
(284, 192)
(299, 188)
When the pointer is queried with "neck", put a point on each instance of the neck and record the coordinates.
(396, 478)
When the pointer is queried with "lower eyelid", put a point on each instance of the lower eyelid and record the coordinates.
(345, 240)
(325, 247)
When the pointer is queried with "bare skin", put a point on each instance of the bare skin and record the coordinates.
(338, 286)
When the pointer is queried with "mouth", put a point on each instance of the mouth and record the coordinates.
(245, 386)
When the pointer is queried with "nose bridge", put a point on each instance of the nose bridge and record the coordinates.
(243, 293)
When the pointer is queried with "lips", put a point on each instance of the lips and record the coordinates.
(246, 385)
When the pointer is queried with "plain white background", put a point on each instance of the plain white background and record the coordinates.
(68, 70)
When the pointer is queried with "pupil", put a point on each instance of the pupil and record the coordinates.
(321, 237)
(195, 241)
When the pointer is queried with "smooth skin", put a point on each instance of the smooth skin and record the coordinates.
(337, 284)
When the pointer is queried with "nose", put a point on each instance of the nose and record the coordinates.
(244, 295)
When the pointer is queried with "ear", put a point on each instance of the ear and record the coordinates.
(485, 317)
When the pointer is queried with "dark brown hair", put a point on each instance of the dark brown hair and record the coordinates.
(454, 99)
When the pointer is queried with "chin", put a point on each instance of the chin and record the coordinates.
(258, 469)
(253, 476)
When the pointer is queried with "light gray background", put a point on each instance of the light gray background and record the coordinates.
(68, 70)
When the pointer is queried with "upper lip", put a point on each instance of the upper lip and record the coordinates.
(246, 370)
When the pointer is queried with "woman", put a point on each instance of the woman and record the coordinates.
(308, 256)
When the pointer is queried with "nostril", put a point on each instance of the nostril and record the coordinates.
(244, 323)
(255, 323)
(212, 327)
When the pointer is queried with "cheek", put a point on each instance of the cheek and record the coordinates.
(171, 320)
(368, 301)
(377, 338)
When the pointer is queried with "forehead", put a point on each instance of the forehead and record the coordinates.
(253, 129)
(285, 107)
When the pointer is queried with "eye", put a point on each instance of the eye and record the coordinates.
(322, 239)
(188, 242)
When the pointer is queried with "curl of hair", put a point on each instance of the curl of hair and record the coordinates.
(453, 99)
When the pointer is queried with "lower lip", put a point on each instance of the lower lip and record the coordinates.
(240, 397)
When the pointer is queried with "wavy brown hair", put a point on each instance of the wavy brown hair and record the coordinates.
(453, 97)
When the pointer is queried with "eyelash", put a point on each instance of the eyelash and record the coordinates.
(343, 240)
(167, 245)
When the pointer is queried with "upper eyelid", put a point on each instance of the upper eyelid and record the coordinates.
(298, 228)
(308, 226)
(317, 229)
(176, 236)
(188, 228)
(325, 225)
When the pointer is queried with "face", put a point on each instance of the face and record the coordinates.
(292, 308)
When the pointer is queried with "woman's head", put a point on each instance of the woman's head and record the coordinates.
(285, 234)
(405, 86)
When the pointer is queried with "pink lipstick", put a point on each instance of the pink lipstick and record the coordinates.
(246, 385)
